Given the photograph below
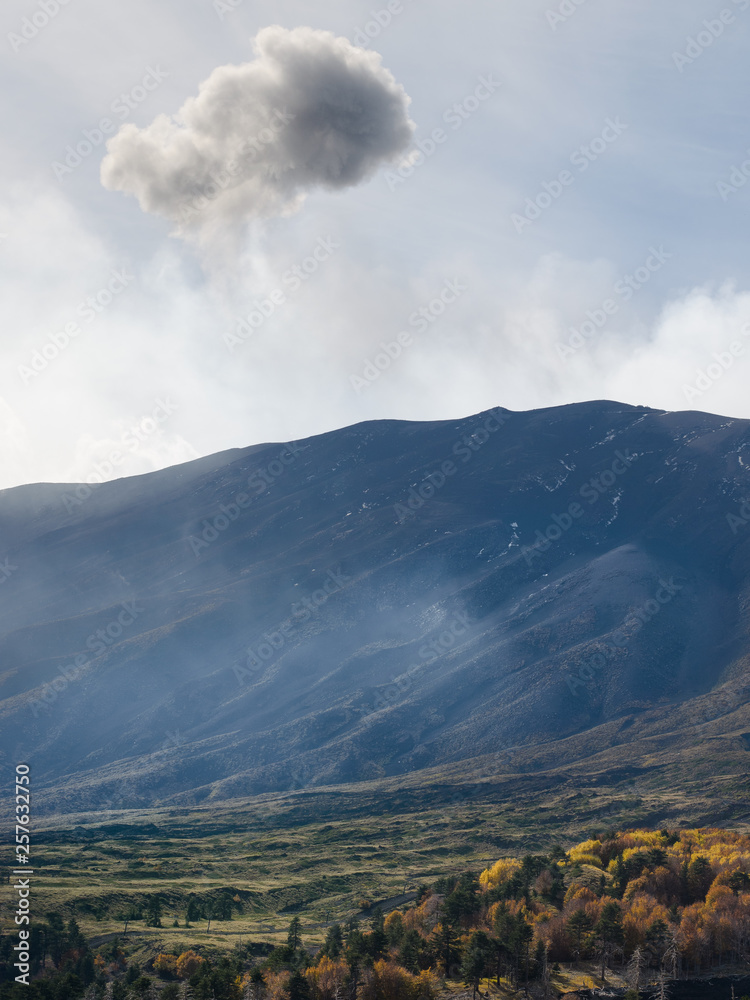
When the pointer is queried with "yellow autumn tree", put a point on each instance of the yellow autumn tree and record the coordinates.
(580, 892)
(327, 978)
(589, 852)
(276, 985)
(388, 981)
(165, 965)
(188, 964)
(502, 871)
(426, 985)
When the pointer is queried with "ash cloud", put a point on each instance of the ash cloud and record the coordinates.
(310, 111)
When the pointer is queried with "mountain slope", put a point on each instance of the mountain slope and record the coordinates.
(374, 601)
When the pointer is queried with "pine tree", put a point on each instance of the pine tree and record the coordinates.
(609, 930)
(579, 924)
(298, 987)
(334, 942)
(294, 937)
(377, 940)
(153, 911)
(475, 959)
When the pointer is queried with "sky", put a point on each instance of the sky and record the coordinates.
(230, 222)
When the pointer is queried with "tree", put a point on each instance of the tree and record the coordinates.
(75, 937)
(524, 935)
(188, 963)
(410, 951)
(609, 930)
(672, 955)
(153, 911)
(223, 907)
(620, 877)
(193, 911)
(327, 978)
(501, 955)
(376, 939)
(738, 881)
(445, 938)
(656, 938)
(394, 928)
(513, 938)
(294, 934)
(55, 938)
(475, 959)
(636, 968)
(254, 985)
(131, 913)
(663, 991)
(298, 987)
(542, 952)
(579, 924)
(165, 964)
(700, 875)
(334, 942)
(355, 950)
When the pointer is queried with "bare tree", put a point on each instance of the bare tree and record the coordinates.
(671, 956)
(636, 967)
(663, 991)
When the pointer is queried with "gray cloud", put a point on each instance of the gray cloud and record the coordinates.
(310, 111)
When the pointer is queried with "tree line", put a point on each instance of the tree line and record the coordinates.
(656, 903)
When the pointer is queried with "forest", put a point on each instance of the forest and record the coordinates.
(657, 905)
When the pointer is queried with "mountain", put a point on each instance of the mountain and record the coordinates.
(516, 590)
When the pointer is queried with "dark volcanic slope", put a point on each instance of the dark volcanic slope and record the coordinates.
(272, 616)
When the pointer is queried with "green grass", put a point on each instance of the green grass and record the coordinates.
(318, 852)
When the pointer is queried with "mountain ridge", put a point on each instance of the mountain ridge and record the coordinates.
(397, 596)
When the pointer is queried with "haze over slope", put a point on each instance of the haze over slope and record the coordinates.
(378, 600)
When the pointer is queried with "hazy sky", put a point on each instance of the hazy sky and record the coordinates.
(527, 203)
